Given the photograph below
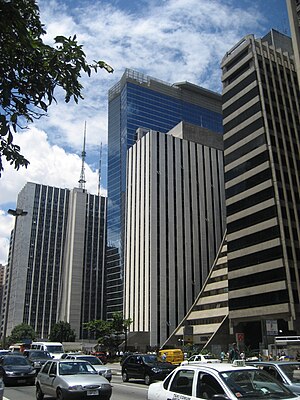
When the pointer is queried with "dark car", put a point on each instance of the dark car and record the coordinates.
(37, 358)
(16, 369)
(146, 367)
(286, 372)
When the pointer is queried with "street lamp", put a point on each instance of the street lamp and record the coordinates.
(18, 212)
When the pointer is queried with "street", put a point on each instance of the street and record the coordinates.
(133, 390)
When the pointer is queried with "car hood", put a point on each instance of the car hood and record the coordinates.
(84, 379)
(18, 368)
(162, 365)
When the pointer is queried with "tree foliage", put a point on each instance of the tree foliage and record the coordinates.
(21, 332)
(30, 70)
(111, 333)
(62, 332)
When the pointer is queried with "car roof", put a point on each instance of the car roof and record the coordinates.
(64, 360)
(273, 362)
(218, 367)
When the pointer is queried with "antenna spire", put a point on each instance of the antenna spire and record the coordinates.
(99, 174)
(82, 180)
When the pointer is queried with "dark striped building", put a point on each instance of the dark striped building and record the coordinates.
(261, 112)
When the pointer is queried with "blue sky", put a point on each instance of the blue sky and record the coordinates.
(171, 40)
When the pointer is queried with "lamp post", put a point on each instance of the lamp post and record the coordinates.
(18, 212)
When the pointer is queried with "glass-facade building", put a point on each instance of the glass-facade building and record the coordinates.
(140, 101)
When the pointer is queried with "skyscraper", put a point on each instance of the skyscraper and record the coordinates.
(139, 101)
(261, 110)
(175, 221)
(293, 7)
(57, 262)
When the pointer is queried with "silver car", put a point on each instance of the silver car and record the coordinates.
(96, 363)
(287, 372)
(71, 379)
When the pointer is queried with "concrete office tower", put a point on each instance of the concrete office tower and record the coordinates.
(206, 323)
(48, 244)
(261, 111)
(84, 258)
(141, 101)
(293, 7)
(174, 227)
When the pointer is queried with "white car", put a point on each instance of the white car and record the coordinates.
(71, 379)
(219, 381)
(201, 358)
(96, 363)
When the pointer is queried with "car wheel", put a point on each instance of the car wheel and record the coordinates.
(147, 380)
(59, 394)
(39, 393)
(125, 376)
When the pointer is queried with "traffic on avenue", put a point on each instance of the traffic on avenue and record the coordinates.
(134, 390)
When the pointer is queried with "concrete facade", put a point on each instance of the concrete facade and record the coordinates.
(175, 222)
(262, 182)
(56, 264)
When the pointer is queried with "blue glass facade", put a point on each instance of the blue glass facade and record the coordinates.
(139, 101)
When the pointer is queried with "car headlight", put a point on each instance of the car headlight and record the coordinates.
(33, 372)
(9, 372)
(75, 388)
(36, 364)
(156, 370)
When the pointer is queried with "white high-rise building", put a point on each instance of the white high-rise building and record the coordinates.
(174, 227)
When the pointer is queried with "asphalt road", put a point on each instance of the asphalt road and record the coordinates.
(133, 390)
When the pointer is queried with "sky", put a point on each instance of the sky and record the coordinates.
(170, 40)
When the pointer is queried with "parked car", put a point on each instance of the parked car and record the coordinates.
(37, 358)
(71, 379)
(219, 381)
(96, 363)
(146, 367)
(287, 372)
(16, 369)
(201, 358)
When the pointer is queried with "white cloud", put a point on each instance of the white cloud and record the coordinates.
(171, 40)
(49, 165)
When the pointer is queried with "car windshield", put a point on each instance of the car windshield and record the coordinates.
(92, 360)
(15, 361)
(55, 348)
(255, 384)
(210, 357)
(150, 359)
(292, 371)
(74, 368)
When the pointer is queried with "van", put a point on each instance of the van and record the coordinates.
(18, 347)
(173, 356)
(55, 349)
